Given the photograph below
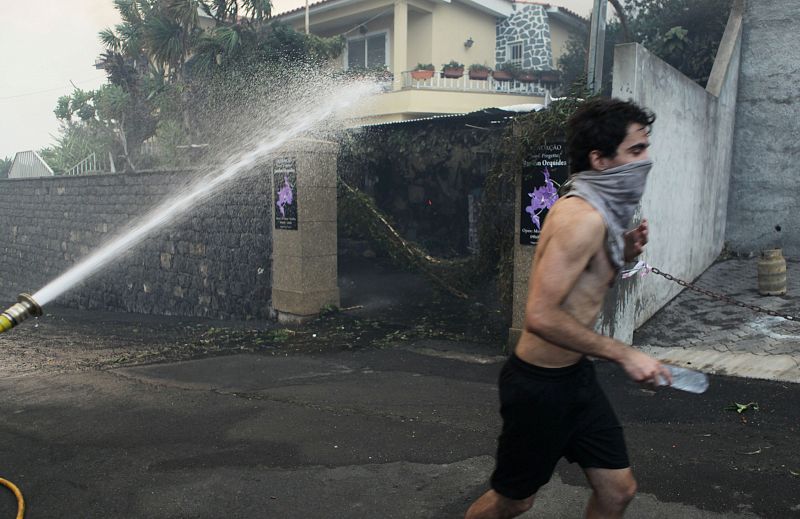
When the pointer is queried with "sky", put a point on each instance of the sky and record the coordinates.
(49, 45)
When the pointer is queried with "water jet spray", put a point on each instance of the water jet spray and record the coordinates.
(24, 308)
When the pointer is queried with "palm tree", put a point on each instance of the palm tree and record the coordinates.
(130, 66)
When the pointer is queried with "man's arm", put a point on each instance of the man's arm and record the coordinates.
(576, 235)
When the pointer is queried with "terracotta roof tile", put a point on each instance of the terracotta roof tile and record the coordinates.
(302, 8)
(546, 5)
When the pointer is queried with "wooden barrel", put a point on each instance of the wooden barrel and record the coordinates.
(771, 273)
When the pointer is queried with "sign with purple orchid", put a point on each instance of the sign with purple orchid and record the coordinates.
(542, 174)
(284, 174)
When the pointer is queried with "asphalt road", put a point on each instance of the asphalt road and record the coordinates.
(403, 431)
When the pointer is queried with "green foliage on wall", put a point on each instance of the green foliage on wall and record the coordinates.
(359, 216)
(421, 174)
(407, 151)
(5, 166)
(684, 33)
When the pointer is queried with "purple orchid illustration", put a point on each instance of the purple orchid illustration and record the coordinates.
(285, 196)
(542, 198)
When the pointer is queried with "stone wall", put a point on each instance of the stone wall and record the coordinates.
(214, 261)
(528, 25)
(765, 183)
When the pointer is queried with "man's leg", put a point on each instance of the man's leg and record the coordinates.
(612, 489)
(492, 505)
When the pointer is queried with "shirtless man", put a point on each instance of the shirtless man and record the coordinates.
(551, 403)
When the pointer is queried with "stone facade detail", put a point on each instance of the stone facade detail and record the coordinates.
(529, 26)
(212, 262)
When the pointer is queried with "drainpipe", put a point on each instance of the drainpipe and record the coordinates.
(597, 43)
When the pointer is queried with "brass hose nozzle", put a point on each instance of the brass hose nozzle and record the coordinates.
(24, 308)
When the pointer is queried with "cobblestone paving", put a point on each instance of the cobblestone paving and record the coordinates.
(694, 321)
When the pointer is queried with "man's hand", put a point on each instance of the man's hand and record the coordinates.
(644, 369)
(635, 240)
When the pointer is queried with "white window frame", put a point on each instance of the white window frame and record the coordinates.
(364, 37)
(510, 52)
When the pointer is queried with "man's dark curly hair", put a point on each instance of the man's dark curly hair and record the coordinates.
(601, 124)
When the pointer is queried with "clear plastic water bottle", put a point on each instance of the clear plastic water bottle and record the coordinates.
(687, 379)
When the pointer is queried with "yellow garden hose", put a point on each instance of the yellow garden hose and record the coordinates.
(20, 500)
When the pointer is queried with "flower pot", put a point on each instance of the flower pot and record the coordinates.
(478, 74)
(421, 75)
(526, 78)
(551, 76)
(501, 75)
(453, 73)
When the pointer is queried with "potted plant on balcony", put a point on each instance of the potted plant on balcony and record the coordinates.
(454, 69)
(505, 71)
(549, 76)
(423, 71)
(478, 71)
(527, 75)
(381, 73)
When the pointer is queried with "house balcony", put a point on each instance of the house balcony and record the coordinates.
(405, 98)
(465, 84)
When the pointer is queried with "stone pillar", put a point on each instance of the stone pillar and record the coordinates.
(523, 258)
(304, 250)
(542, 171)
(400, 42)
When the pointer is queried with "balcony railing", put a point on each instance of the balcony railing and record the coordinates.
(465, 84)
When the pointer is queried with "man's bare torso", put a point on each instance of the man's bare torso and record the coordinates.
(583, 301)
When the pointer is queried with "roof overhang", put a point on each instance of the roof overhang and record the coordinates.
(320, 7)
(500, 115)
(568, 19)
(499, 8)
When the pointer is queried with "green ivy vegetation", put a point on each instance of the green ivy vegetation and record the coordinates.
(359, 216)
(684, 33)
(167, 74)
(5, 166)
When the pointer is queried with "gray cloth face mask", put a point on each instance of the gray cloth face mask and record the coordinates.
(615, 193)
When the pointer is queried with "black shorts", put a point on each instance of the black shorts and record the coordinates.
(547, 414)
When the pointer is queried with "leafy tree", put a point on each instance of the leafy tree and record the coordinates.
(74, 143)
(5, 166)
(684, 33)
(166, 73)
(96, 121)
(168, 64)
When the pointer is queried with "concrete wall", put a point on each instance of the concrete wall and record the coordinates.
(687, 191)
(453, 23)
(559, 37)
(420, 39)
(214, 262)
(766, 184)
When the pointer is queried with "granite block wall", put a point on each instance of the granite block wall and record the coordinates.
(529, 26)
(214, 261)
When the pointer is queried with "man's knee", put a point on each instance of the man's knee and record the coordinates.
(619, 495)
